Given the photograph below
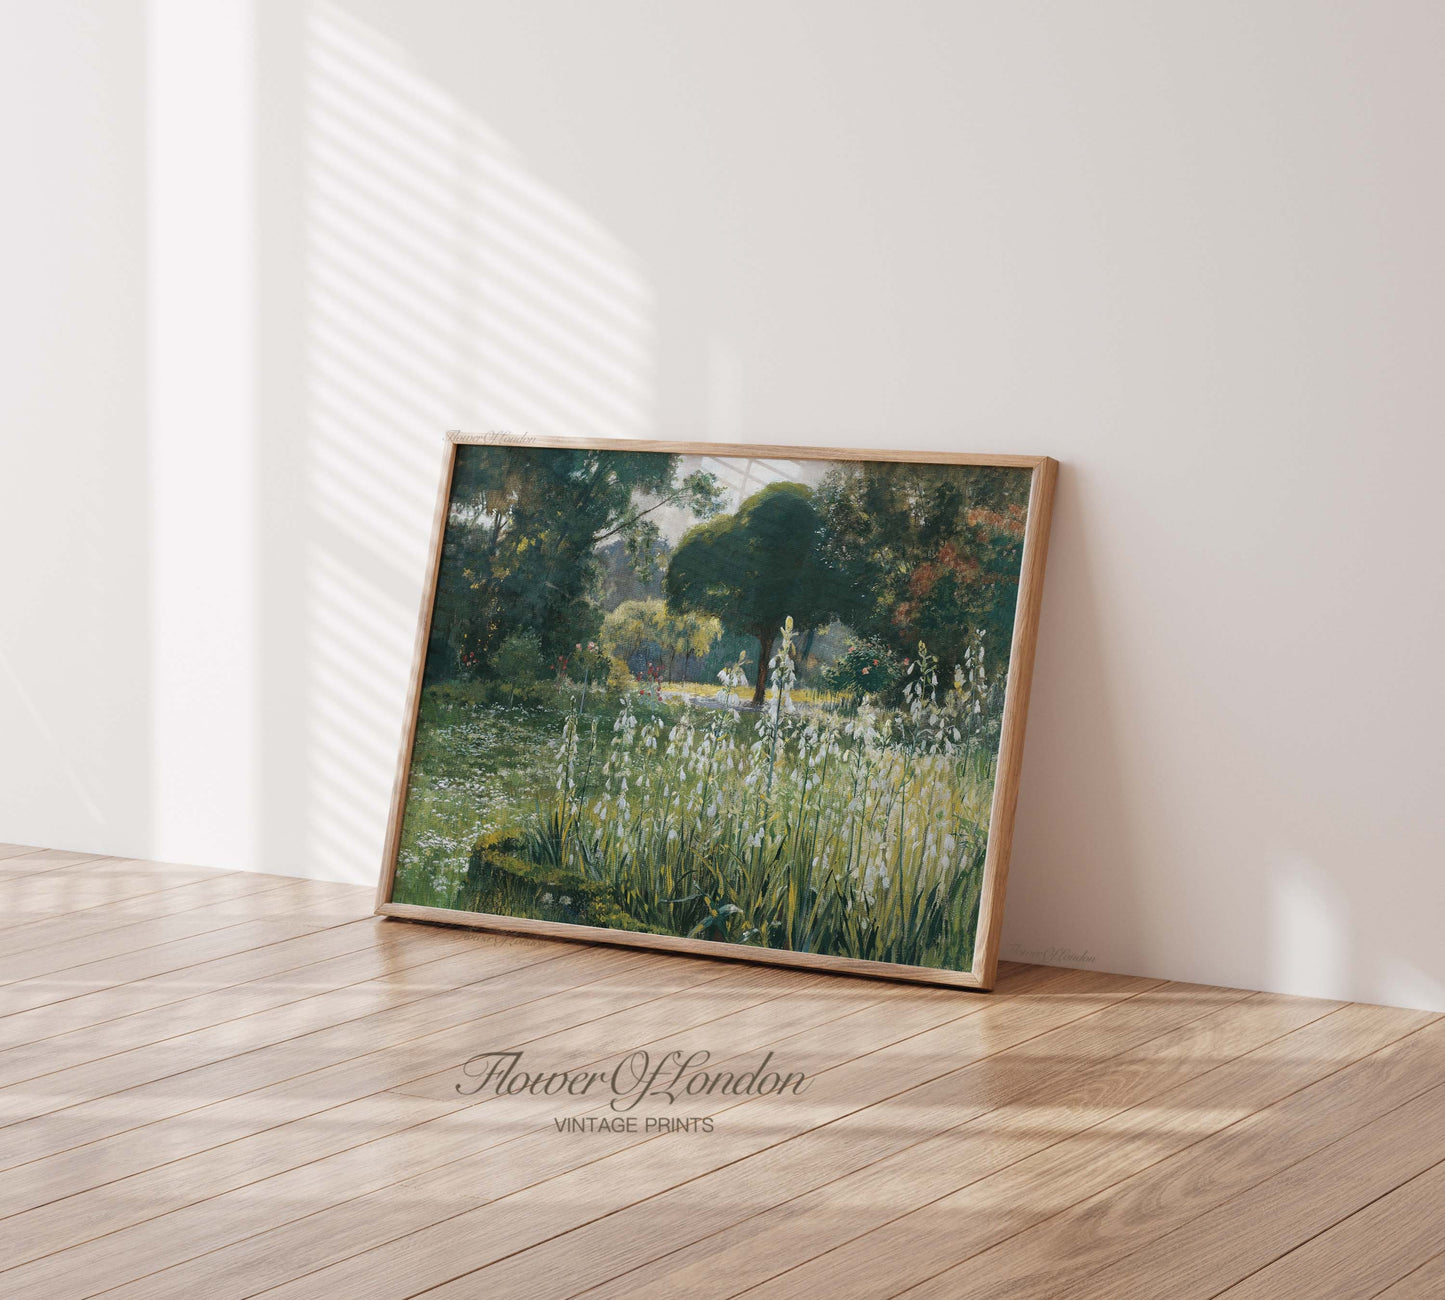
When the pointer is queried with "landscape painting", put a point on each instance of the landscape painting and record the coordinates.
(754, 699)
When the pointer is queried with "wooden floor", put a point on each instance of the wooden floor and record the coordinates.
(218, 1085)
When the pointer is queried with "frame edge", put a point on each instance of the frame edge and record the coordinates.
(1015, 719)
(594, 934)
(754, 450)
(418, 666)
(983, 974)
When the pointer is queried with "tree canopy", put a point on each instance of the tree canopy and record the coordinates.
(927, 553)
(546, 540)
(755, 568)
(519, 548)
(641, 627)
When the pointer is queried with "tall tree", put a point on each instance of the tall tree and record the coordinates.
(756, 568)
(523, 526)
(928, 552)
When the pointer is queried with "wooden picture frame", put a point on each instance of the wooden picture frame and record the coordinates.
(980, 973)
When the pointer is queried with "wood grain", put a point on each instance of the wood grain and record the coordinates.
(565, 997)
(879, 1042)
(1081, 1086)
(313, 906)
(493, 1148)
(1427, 1282)
(55, 887)
(1275, 1215)
(1082, 1159)
(181, 895)
(115, 1002)
(247, 1239)
(174, 1029)
(1355, 1258)
(278, 899)
(1046, 1261)
(282, 1119)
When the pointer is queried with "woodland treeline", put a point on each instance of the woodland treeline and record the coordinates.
(554, 563)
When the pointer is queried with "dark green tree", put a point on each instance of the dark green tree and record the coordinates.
(523, 528)
(753, 569)
(928, 553)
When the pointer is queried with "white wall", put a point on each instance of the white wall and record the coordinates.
(258, 256)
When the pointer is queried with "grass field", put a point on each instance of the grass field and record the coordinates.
(474, 766)
(810, 824)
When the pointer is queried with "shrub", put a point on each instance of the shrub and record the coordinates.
(619, 676)
(437, 699)
(519, 660)
(866, 667)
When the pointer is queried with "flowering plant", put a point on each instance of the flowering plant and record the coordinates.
(867, 667)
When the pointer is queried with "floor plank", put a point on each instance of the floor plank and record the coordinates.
(276, 915)
(19, 867)
(181, 894)
(176, 1026)
(58, 887)
(1084, 1090)
(277, 1219)
(1372, 1248)
(543, 997)
(114, 1002)
(1044, 1261)
(277, 900)
(225, 1084)
(382, 1025)
(1276, 1215)
(1424, 1283)
(790, 1168)
(855, 1065)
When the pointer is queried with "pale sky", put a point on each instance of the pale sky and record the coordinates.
(740, 477)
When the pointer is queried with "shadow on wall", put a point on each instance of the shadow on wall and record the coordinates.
(441, 285)
(404, 270)
(1102, 879)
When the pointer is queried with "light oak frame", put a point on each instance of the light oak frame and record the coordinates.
(1011, 736)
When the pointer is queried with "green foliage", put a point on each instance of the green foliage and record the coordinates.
(847, 814)
(523, 528)
(857, 832)
(475, 761)
(502, 882)
(724, 654)
(929, 553)
(634, 628)
(621, 579)
(687, 636)
(649, 630)
(519, 661)
(619, 675)
(866, 667)
(484, 692)
(753, 569)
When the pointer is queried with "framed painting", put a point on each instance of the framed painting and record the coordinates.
(756, 702)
